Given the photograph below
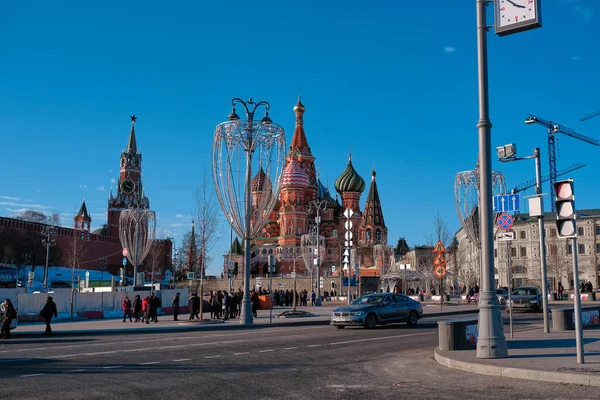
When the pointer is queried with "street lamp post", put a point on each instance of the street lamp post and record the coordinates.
(491, 342)
(48, 231)
(508, 153)
(236, 144)
(318, 206)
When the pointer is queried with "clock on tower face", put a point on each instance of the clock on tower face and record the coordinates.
(127, 186)
(514, 16)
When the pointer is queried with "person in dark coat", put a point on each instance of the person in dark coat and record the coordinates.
(8, 314)
(153, 304)
(192, 304)
(47, 313)
(175, 305)
(254, 301)
(126, 309)
(137, 307)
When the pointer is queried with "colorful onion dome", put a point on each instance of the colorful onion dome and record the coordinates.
(329, 202)
(293, 175)
(349, 180)
(322, 190)
(258, 182)
(299, 107)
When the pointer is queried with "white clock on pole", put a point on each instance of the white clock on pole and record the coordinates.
(512, 16)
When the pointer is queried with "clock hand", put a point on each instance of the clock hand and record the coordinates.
(515, 4)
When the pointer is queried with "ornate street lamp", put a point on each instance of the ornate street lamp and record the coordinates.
(318, 206)
(239, 146)
(48, 231)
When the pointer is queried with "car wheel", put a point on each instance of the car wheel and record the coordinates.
(340, 326)
(370, 321)
(412, 318)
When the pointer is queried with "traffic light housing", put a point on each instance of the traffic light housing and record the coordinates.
(566, 226)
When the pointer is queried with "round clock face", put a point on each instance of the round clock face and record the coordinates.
(515, 11)
(127, 186)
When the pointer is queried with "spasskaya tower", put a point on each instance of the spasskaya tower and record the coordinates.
(130, 192)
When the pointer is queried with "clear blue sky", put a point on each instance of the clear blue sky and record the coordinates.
(395, 80)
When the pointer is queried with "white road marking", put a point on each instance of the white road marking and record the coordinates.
(111, 367)
(383, 338)
(74, 370)
(314, 345)
(183, 359)
(265, 351)
(217, 356)
(30, 375)
(290, 348)
(239, 354)
(149, 363)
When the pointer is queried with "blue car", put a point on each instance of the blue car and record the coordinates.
(378, 309)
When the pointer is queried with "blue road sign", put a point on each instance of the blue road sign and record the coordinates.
(505, 222)
(124, 260)
(507, 203)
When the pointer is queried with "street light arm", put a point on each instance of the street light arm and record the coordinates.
(245, 104)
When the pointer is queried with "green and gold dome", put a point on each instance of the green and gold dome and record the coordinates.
(349, 180)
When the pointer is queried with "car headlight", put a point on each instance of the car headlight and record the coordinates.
(332, 313)
(533, 301)
(356, 313)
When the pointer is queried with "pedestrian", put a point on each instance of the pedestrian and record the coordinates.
(313, 297)
(137, 308)
(192, 305)
(146, 309)
(560, 291)
(47, 313)
(175, 305)
(8, 314)
(154, 304)
(254, 301)
(126, 309)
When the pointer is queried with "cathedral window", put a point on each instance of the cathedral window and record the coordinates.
(368, 234)
(377, 234)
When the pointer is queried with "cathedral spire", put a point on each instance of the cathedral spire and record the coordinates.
(132, 145)
(82, 219)
(299, 143)
(373, 226)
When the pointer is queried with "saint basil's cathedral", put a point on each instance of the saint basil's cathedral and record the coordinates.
(293, 216)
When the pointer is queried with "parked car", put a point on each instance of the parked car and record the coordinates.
(378, 309)
(526, 298)
(502, 296)
(14, 322)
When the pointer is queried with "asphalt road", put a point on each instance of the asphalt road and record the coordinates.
(311, 362)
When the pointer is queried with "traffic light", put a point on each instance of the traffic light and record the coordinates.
(565, 209)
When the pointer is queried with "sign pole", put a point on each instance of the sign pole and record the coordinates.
(510, 319)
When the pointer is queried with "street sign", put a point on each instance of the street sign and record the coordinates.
(230, 265)
(333, 268)
(348, 235)
(440, 259)
(87, 273)
(280, 284)
(440, 271)
(348, 212)
(505, 222)
(191, 276)
(506, 236)
(348, 243)
(125, 252)
(439, 247)
(124, 260)
(507, 203)
(348, 225)
(293, 274)
(346, 266)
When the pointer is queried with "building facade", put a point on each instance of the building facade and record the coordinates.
(304, 197)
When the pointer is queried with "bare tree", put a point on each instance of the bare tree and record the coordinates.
(156, 257)
(556, 264)
(73, 257)
(38, 217)
(207, 219)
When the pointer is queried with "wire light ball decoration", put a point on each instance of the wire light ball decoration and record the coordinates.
(466, 196)
(137, 232)
(240, 147)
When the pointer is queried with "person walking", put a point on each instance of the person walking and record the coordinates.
(47, 313)
(175, 305)
(313, 298)
(8, 314)
(192, 305)
(137, 308)
(254, 302)
(126, 309)
(154, 304)
(560, 291)
(146, 309)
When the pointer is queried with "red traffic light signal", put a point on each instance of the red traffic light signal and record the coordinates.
(565, 209)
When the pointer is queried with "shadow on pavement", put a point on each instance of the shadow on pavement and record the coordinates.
(46, 340)
(546, 343)
(553, 355)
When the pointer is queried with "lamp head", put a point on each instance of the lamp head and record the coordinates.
(233, 116)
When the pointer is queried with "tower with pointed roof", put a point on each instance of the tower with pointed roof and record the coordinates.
(129, 191)
(372, 228)
(300, 151)
(82, 219)
(192, 252)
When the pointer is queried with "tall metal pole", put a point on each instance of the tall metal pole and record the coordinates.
(229, 269)
(509, 305)
(246, 315)
(47, 257)
(577, 310)
(404, 280)
(318, 221)
(491, 342)
(538, 191)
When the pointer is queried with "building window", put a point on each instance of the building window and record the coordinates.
(569, 249)
(377, 234)
(580, 231)
(368, 234)
(523, 251)
(598, 230)
(519, 269)
(495, 253)
(553, 232)
(597, 247)
(553, 250)
(513, 251)
(523, 234)
(582, 249)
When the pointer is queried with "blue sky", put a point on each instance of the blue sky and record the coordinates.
(394, 81)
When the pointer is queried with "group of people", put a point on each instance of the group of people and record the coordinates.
(143, 310)
(221, 305)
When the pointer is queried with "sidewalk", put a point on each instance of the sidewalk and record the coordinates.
(166, 323)
(534, 355)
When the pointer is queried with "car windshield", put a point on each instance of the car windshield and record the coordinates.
(501, 291)
(525, 292)
(369, 300)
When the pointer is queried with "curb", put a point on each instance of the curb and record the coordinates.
(518, 373)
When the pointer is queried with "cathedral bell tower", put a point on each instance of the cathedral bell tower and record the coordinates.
(130, 193)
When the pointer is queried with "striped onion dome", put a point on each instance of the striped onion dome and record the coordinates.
(293, 175)
(349, 180)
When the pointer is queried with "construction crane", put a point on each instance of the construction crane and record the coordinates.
(553, 129)
(592, 115)
(531, 183)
